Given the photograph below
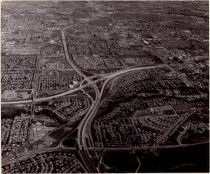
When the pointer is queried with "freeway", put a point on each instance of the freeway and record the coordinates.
(85, 124)
(86, 121)
(86, 129)
(84, 133)
(83, 154)
(45, 98)
(105, 76)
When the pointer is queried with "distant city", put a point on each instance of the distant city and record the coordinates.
(104, 86)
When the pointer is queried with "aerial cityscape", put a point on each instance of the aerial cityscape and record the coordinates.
(104, 86)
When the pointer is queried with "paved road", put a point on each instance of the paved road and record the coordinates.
(82, 127)
(84, 132)
(95, 109)
(85, 124)
(105, 76)
(34, 152)
(144, 147)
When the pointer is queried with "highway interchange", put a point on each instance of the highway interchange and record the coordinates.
(84, 141)
(84, 132)
(83, 128)
(109, 126)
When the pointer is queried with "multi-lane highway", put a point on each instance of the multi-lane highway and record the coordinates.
(83, 153)
(84, 128)
(71, 91)
(84, 137)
